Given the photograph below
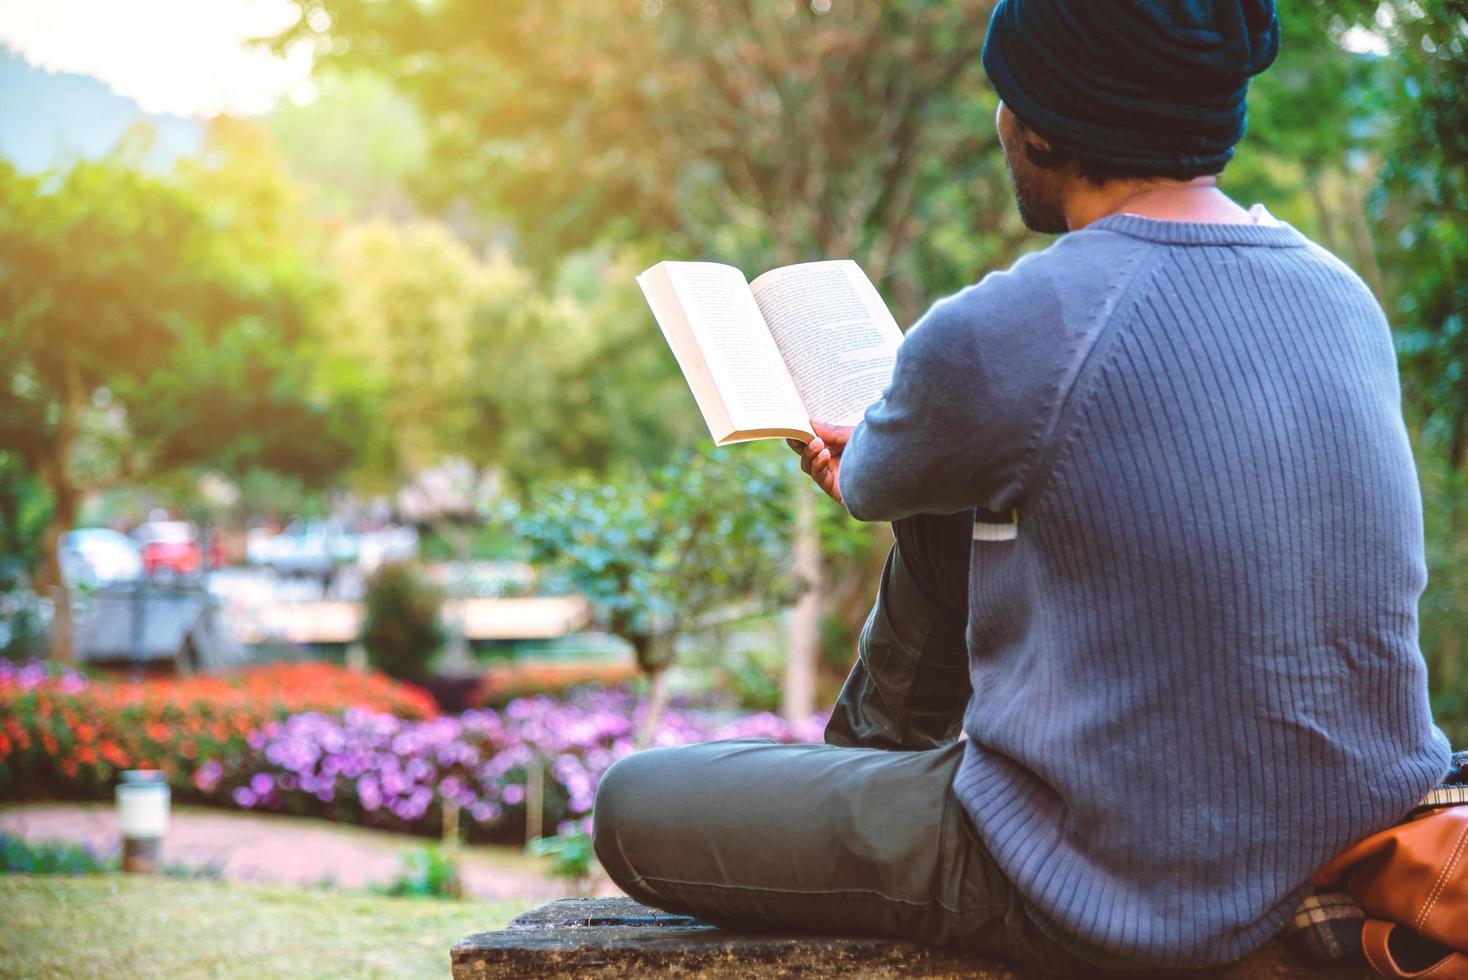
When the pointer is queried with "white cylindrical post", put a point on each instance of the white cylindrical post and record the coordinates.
(142, 819)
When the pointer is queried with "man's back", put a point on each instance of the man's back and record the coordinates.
(1194, 664)
(1175, 440)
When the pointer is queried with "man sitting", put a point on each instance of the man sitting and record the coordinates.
(1158, 550)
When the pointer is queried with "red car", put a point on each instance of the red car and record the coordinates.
(171, 550)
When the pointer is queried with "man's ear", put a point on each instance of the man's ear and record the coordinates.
(1035, 143)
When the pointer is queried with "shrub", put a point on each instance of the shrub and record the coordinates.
(571, 854)
(402, 631)
(502, 683)
(20, 856)
(426, 873)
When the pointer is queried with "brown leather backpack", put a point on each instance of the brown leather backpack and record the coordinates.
(1412, 882)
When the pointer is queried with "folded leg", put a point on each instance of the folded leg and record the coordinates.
(910, 683)
(811, 838)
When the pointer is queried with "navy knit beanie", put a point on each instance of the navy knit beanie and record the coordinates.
(1150, 85)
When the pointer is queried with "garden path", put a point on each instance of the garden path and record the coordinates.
(285, 850)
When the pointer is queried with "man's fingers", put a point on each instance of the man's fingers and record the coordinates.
(834, 437)
(813, 449)
(831, 485)
(826, 472)
(820, 458)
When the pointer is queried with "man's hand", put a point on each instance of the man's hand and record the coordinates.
(821, 457)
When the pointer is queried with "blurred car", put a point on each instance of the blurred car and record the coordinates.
(171, 550)
(305, 548)
(99, 556)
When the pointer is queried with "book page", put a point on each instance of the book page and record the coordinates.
(836, 335)
(743, 361)
(674, 324)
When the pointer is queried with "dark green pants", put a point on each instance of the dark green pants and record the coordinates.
(862, 834)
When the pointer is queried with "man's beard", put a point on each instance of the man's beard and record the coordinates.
(1039, 205)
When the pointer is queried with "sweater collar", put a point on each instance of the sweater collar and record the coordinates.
(1278, 235)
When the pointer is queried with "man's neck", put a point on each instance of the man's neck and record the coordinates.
(1166, 200)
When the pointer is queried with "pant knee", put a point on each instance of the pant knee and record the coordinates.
(616, 813)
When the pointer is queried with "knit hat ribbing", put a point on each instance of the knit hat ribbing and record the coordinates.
(1154, 85)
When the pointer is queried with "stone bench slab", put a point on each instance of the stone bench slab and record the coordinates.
(617, 937)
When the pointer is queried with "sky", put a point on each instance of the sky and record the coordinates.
(182, 57)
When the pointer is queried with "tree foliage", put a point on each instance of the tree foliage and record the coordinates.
(671, 551)
(764, 131)
(471, 357)
(1422, 203)
(149, 324)
(360, 147)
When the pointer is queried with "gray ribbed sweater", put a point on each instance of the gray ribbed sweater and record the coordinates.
(1195, 664)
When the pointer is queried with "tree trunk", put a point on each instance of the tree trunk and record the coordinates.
(1323, 214)
(55, 472)
(50, 583)
(1361, 241)
(798, 696)
(657, 699)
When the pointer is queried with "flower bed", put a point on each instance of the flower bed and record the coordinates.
(382, 771)
(318, 740)
(64, 735)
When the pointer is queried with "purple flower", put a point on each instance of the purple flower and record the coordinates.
(376, 763)
(208, 775)
(369, 793)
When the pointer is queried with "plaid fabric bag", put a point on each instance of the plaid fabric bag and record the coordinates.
(1326, 928)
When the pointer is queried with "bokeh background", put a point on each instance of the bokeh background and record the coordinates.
(345, 477)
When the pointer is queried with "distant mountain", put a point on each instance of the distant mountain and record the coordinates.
(46, 118)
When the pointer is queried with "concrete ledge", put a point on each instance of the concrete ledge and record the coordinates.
(617, 937)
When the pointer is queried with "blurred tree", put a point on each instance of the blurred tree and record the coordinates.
(406, 299)
(150, 324)
(1422, 207)
(474, 359)
(24, 510)
(359, 145)
(761, 132)
(670, 552)
(1314, 124)
(570, 379)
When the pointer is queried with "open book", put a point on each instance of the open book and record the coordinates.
(809, 341)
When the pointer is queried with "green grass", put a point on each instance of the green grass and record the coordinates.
(126, 926)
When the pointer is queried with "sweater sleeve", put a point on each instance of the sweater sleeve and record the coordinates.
(976, 389)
